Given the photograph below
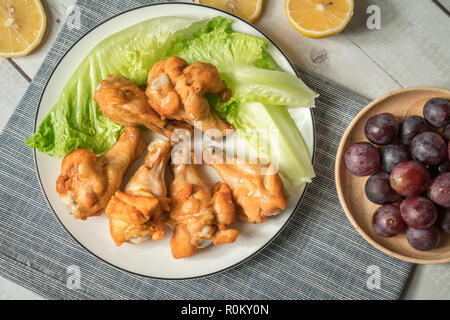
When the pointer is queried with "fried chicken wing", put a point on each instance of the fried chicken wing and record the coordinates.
(223, 207)
(161, 93)
(200, 215)
(87, 182)
(123, 102)
(139, 212)
(257, 188)
(177, 91)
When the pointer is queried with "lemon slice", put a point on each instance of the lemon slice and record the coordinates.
(319, 18)
(248, 10)
(22, 26)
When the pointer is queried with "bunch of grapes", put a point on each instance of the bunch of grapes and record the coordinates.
(410, 176)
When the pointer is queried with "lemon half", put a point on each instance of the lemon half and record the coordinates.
(249, 10)
(22, 27)
(319, 18)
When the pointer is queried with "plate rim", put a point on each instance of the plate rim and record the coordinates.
(337, 178)
(145, 275)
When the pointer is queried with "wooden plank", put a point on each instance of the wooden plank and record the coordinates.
(380, 60)
(56, 11)
(18, 69)
(429, 282)
(444, 5)
(412, 50)
(11, 291)
(407, 51)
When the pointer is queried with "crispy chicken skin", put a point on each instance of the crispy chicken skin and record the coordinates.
(199, 215)
(87, 182)
(160, 91)
(177, 91)
(123, 102)
(257, 188)
(139, 212)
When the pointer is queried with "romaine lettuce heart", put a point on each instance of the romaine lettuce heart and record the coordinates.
(274, 135)
(250, 84)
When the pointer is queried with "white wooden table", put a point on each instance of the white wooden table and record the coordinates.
(412, 48)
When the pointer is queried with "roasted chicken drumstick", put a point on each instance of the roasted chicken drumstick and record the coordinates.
(177, 91)
(139, 212)
(123, 102)
(198, 213)
(87, 182)
(257, 188)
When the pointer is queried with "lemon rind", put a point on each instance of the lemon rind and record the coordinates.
(318, 34)
(252, 18)
(38, 40)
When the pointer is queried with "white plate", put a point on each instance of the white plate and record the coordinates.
(154, 259)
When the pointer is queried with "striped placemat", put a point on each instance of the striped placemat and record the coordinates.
(318, 255)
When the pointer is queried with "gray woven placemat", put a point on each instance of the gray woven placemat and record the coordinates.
(318, 255)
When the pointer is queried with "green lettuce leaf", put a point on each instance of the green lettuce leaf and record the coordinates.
(218, 44)
(250, 84)
(273, 133)
(76, 121)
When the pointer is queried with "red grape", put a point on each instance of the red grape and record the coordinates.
(443, 220)
(394, 154)
(378, 189)
(429, 148)
(437, 111)
(381, 128)
(444, 167)
(418, 212)
(410, 178)
(412, 126)
(362, 159)
(446, 133)
(387, 221)
(439, 191)
(423, 239)
(440, 169)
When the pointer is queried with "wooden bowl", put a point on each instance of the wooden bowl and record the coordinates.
(350, 188)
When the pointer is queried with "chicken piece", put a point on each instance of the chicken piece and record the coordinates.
(140, 211)
(123, 102)
(129, 218)
(178, 131)
(87, 182)
(177, 91)
(160, 92)
(223, 207)
(257, 188)
(200, 216)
